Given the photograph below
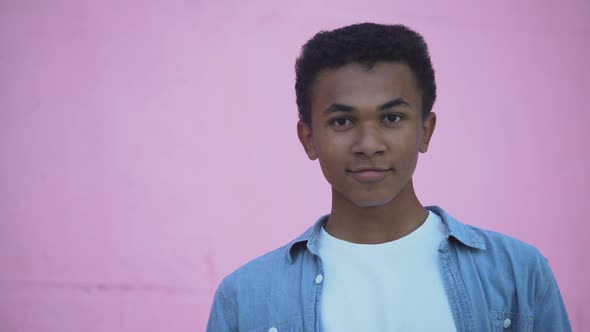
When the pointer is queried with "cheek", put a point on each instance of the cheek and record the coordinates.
(332, 159)
(405, 139)
(405, 147)
(329, 160)
(330, 147)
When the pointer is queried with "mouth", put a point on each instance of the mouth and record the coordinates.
(369, 175)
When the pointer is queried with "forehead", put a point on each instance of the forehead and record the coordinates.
(357, 85)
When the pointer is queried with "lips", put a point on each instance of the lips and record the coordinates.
(369, 175)
(369, 169)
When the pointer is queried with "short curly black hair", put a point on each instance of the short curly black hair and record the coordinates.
(367, 44)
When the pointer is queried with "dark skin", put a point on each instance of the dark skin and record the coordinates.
(367, 131)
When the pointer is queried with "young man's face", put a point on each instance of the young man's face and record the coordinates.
(367, 130)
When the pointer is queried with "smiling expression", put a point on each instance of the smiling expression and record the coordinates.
(367, 130)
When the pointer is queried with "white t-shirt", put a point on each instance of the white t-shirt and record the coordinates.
(393, 286)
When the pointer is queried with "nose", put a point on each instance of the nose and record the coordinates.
(369, 141)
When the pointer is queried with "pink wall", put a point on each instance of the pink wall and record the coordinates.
(148, 148)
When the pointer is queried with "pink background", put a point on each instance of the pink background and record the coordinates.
(148, 148)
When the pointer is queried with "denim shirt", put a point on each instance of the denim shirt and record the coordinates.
(493, 283)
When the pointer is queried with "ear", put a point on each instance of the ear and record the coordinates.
(428, 126)
(304, 134)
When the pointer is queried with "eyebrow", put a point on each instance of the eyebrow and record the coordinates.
(349, 109)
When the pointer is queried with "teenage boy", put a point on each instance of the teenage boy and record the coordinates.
(380, 261)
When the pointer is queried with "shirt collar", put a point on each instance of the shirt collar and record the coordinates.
(454, 228)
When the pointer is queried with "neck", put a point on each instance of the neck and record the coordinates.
(376, 224)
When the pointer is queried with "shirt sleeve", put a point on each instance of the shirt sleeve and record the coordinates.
(550, 312)
(221, 318)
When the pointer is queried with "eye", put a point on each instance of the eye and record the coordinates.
(392, 118)
(340, 122)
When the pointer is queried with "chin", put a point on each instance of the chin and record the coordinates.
(371, 202)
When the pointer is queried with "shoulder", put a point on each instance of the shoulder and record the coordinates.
(257, 274)
(506, 246)
(510, 276)
(261, 264)
(264, 288)
(277, 268)
(507, 258)
(243, 297)
(487, 244)
(493, 255)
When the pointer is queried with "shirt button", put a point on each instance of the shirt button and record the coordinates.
(273, 329)
(507, 323)
(319, 278)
